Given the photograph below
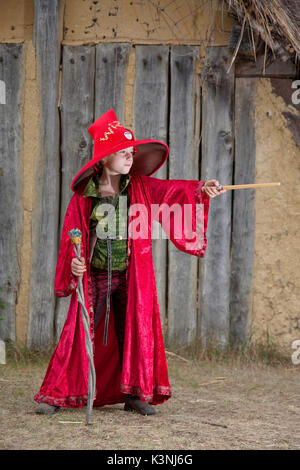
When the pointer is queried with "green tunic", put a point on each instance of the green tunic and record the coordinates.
(118, 247)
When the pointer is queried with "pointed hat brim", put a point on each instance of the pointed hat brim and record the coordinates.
(150, 156)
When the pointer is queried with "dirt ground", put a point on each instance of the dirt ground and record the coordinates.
(215, 405)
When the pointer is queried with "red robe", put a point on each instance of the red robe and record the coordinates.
(144, 371)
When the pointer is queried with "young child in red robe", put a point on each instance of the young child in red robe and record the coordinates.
(117, 272)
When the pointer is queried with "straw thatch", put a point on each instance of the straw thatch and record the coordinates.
(275, 22)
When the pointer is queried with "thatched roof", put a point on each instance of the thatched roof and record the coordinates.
(275, 22)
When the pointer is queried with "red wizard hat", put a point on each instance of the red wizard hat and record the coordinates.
(110, 136)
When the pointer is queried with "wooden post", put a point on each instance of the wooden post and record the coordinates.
(77, 114)
(151, 122)
(243, 225)
(11, 59)
(47, 35)
(183, 164)
(217, 163)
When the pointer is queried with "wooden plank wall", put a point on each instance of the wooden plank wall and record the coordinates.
(47, 177)
(243, 224)
(11, 67)
(150, 106)
(77, 114)
(111, 66)
(217, 163)
(183, 164)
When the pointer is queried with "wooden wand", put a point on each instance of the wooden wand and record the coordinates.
(246, 186)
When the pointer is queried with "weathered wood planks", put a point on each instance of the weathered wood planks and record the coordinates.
(111, 66)
(277, 68)
(243, 224)
(46, 207)
(77, 114)
(183, 164)
(11, 58)
(217, 163)
(151, 122)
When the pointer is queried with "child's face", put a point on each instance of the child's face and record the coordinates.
(120, 162)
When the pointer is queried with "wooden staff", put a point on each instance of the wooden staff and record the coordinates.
(76, 237)
(246, 186)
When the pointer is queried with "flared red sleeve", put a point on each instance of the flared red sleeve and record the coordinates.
(65, 283)
(182, 210)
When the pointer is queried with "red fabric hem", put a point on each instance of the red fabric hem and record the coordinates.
(157, 390)
(76, 402)
(67, 402)
(202, 198)
(81, 401)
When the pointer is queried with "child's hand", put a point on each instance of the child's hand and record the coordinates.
(78, 268)
(210, 188)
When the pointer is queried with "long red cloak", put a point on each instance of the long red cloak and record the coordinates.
(144, 371)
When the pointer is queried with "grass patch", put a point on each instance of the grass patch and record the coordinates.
(17, 354)
(253, 407)
(268, 353)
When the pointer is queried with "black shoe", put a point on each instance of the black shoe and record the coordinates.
(45, 409)
(133, 403)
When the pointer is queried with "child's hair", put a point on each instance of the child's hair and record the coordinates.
(99, 164)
